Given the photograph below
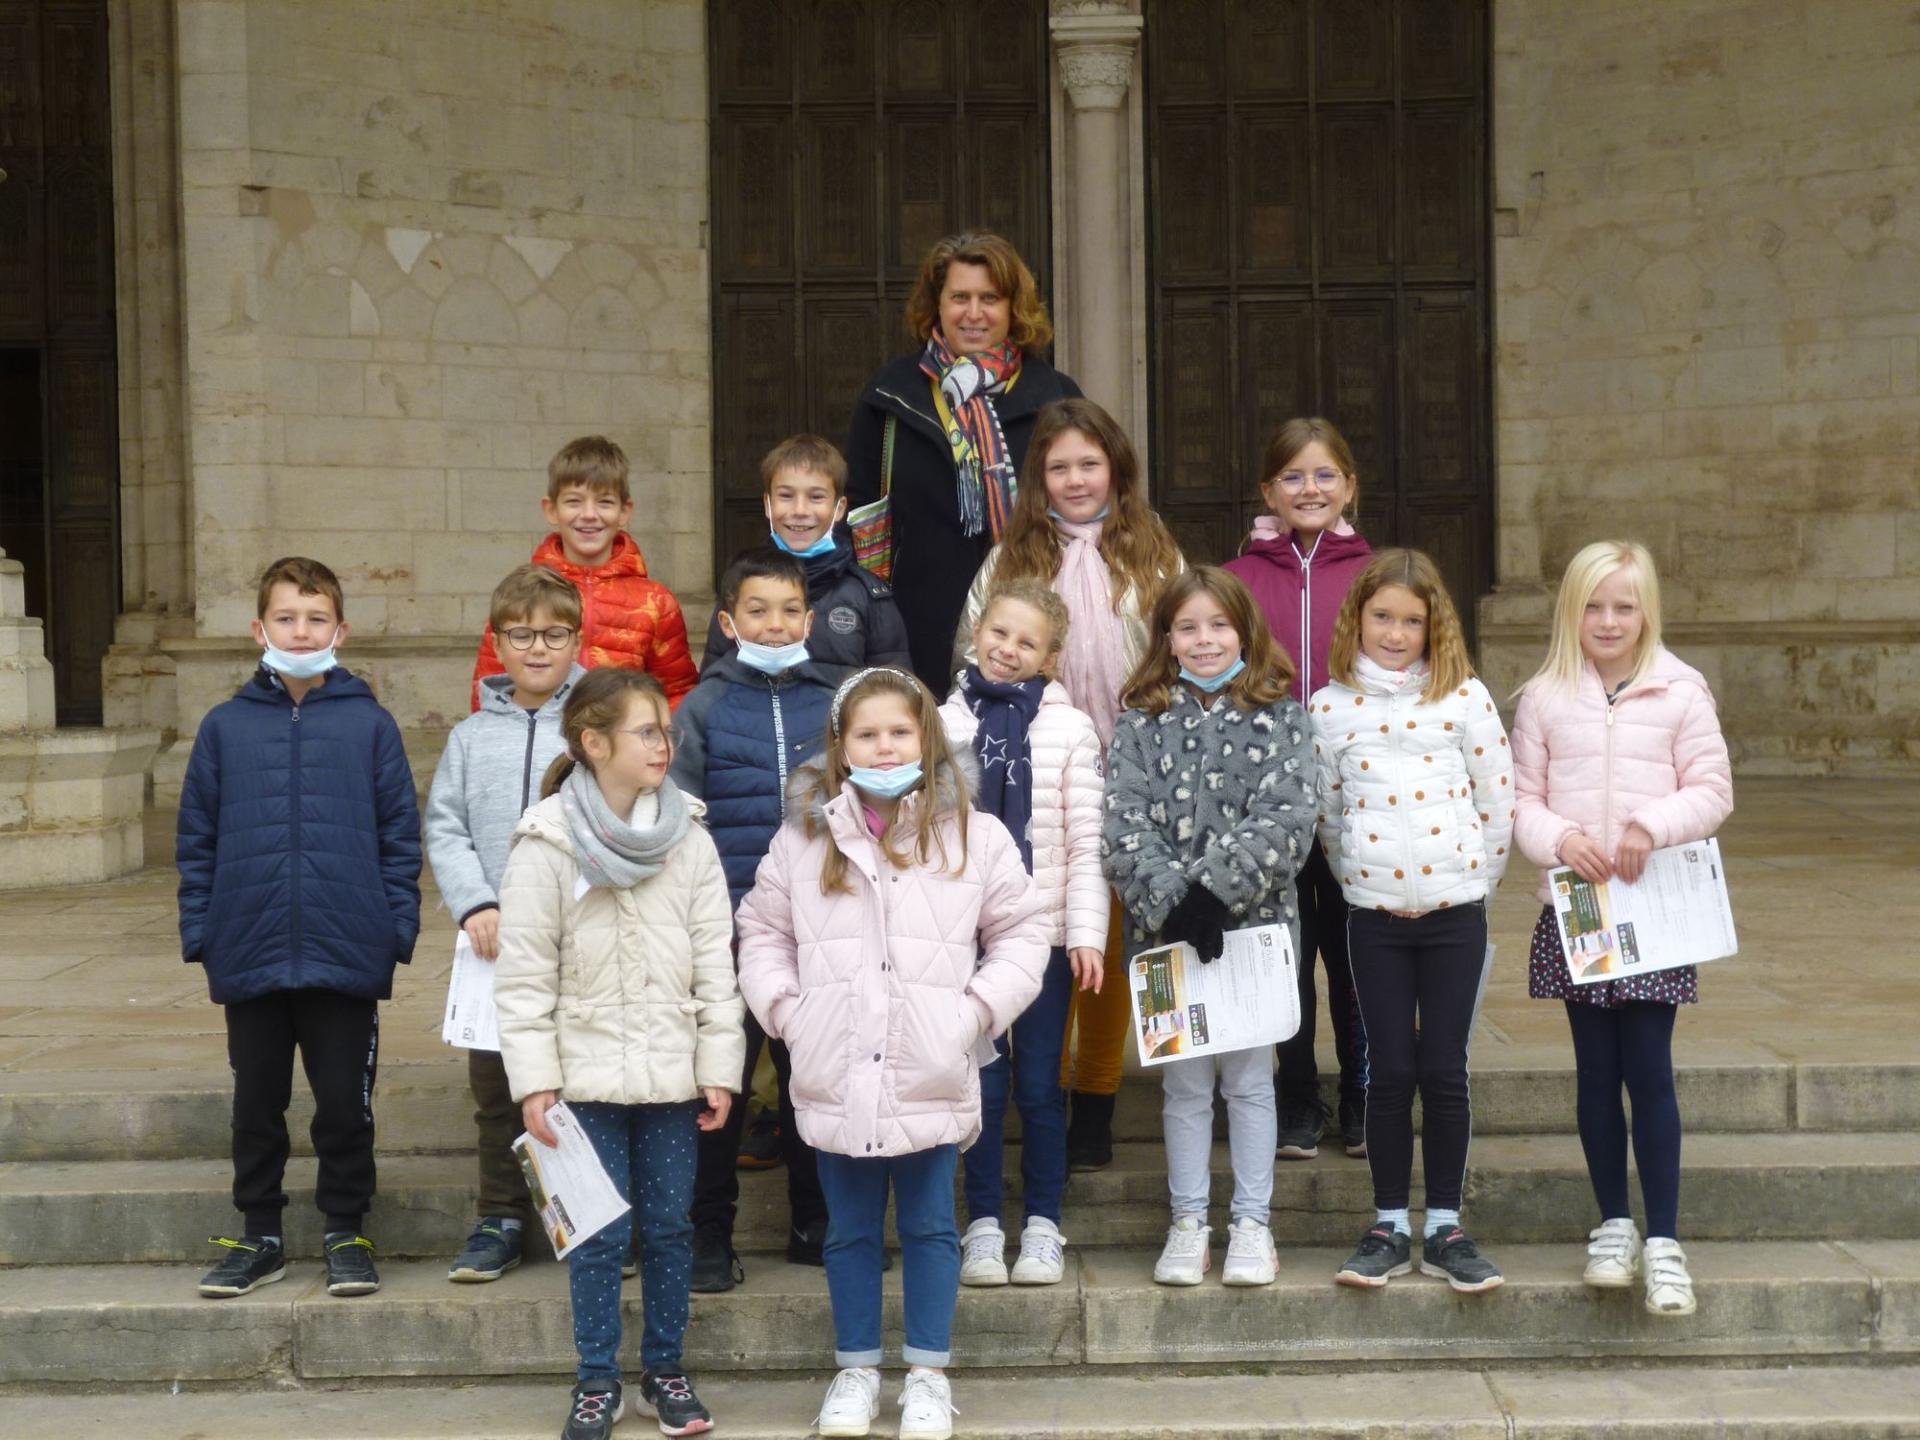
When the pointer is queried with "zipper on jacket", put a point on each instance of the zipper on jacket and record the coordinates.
(295, 943)
(1606, 792)
(1404, 818)
(1306, 615)
(918, 414)
(780, 745)
(526, 768)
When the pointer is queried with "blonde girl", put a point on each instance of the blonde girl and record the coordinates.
(639, 1030)
(1209, 814)
(1081, 523)
(1299, 562)
(1618, 752)
(1416, 819)
(890, 933)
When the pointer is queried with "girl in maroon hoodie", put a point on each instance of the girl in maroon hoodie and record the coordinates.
(1302, 556)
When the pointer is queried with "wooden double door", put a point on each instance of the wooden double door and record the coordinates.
(59, 431)
(1318, 207)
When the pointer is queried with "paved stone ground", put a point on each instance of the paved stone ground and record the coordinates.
(1822, 875)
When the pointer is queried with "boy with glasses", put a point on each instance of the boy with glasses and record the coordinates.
(489, 773)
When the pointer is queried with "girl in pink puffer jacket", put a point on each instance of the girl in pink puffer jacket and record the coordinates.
(1617, 752)
(889, 936)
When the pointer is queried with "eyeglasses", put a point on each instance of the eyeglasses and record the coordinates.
(521, 637)
(652, 737)
(1297, 479)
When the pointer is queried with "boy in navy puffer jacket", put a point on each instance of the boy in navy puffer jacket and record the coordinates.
(299, 858)
(757, 714)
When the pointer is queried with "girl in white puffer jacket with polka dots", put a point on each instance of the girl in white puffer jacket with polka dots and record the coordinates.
(1416, 819)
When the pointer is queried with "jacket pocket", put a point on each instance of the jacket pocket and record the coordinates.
(938, 1027)
(818, 1032)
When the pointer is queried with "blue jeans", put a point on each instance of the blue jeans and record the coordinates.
(649, 1153)
(856, 1192)
(1032, 1074)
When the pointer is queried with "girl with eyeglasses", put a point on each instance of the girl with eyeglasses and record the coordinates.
(639, 1029)
(1299, 562)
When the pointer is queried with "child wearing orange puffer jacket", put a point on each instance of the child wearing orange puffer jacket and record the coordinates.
(626, 619)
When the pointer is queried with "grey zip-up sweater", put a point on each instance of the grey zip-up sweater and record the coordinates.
(488, 775)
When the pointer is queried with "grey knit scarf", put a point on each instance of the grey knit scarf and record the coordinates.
(611, 852)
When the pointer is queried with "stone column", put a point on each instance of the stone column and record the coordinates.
(1102, 335)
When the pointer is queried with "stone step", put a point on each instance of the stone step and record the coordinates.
(1792, 1299)
(425, 1108)
(1510, 1403)
(1521, 1189)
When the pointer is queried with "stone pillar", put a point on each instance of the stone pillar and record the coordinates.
(70, 800)
(1101, 269)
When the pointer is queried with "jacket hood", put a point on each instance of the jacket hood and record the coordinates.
(732, 668)
(496, 695)
(626, 559)
(1667, 669)
(1270, 543)
(266, 688)
(807, 797)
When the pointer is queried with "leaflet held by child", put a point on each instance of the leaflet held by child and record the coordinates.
(1676, 914)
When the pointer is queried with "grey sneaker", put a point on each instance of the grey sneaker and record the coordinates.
(1450, 1253)
(1385, 1251)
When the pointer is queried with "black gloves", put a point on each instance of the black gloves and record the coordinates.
(1200, 919)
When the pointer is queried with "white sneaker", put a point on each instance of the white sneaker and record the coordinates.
(1185, 1258)
(926, 1407)
(1043, 1253)
(851, 1404)
(1669, 1286)
(1251, 1258)
(1613, 1255)
(983, 1253)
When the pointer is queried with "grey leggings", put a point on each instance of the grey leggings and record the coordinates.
(1186, 1116)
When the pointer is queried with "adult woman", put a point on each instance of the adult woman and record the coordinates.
(944, 431)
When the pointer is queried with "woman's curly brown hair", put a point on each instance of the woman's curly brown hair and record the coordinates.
(1030, 328)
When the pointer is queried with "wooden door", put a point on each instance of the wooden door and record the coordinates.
(848, 136)
(1318, 200)
(59, 479)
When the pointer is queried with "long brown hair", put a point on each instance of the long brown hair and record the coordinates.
(1140, 551)
(1295, 435)
(1269, 672)
(599, 703)
(1449, 664)
(936, 768)
(1029, 327)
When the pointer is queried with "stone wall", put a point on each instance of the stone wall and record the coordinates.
(420, 247)
(1708, 328)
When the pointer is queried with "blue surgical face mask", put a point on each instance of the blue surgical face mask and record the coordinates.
(1213, 683)
(823, 546)
(887, 784)
(309, 666)
(772, 659)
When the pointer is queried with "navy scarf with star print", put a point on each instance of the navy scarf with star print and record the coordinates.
(1005, 713)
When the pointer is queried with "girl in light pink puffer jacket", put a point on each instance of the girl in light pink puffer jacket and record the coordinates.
(889, 936)
(1617, 752)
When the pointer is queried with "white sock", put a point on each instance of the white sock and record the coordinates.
(1401, 1220)
(1438, 1220)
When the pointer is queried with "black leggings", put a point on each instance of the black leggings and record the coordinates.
(1416, 981)
(1630, 1045)
(1323, 928)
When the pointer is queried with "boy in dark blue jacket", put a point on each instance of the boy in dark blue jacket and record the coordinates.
(299, 856)
(756, 716)
(803, 488)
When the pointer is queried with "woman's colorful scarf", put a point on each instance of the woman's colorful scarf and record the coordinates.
(982, 465)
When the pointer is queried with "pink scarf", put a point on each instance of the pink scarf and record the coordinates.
(1093, 666)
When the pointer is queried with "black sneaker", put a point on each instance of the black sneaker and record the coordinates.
(716, 1269)
(350, 1265)
(597, 1406)
(1385, 1251)
(1302, 1123)
(1090, 1132)
(807, 1245)
(247, 1265)
(1353, 1126)
(491, 1251)
(669, 1398)
(1450, 1253)
(760, 1146)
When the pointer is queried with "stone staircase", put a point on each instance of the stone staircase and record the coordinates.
(1802, 1201)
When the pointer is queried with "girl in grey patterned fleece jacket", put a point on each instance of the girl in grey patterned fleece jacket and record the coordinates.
(1209, 816)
